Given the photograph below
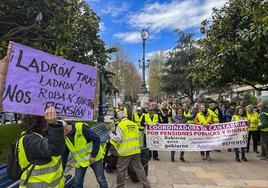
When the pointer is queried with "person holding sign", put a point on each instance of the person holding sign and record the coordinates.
(87, 151)
(203, 117)
(180, 119)
(41, 157)
(151, 118)
(239, 115)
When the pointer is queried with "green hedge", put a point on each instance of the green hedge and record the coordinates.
(8, 134)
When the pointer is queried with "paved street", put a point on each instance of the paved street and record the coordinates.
(222, 172)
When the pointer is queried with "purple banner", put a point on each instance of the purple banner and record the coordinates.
(36, 80)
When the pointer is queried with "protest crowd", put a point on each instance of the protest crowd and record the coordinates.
(46, 142)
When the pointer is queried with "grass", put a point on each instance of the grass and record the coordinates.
(8, 135)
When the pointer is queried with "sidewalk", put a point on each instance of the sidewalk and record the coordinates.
(221, 172)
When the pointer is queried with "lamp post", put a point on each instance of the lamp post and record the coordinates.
(144, 36)
(102, 77)
(101, 98)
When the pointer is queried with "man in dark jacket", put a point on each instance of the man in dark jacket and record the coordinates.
(263, 127)
(230, 112)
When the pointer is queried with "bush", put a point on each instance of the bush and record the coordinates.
(8, 134)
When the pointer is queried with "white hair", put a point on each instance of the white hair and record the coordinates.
(121, 115)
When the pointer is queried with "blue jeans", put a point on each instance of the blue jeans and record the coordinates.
(98, 170)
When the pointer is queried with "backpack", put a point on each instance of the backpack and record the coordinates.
(14, 170)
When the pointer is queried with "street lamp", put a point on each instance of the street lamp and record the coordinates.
(144, 36)
(102, 96)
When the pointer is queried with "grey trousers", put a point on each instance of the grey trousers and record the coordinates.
(135, 162)
(264, 144)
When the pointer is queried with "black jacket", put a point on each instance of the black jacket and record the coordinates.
(263, 119)
(40, 150)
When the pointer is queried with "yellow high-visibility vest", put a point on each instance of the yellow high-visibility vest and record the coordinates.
(81, 149)
(188, 114)
(138, 119)
(253, 120)
(264, 129)
(151, 121)
(203, 120)
(238, 118)
(214, 115)
(47, 175)
(130, 144)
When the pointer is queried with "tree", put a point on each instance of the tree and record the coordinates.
(126, 76)
(65, 28)
(175, 78)
(234, 50)
(155, 70)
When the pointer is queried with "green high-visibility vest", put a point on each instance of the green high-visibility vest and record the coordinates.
(214, 115)
(151, 121)
(138, 119)
(47, 175)
(81, 150)
(264, 129)
(130, 144)
(253, 120)
(188, 114)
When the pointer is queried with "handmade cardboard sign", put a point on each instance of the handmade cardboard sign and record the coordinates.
(32, 80)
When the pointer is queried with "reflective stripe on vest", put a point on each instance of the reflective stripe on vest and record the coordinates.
(47, 175)
(125, 151)
(188, 114)
(214, 115)
(80, 148)
(55, 183)
(130, 144)
(47, 170)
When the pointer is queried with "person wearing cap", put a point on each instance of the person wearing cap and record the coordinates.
(137, 118)
(263, 128)
(85, 146)
(253, 118)
(151, 118)
(214, 111)
(127, 142)
(203, 117)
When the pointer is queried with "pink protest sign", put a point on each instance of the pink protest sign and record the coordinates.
(36, 80)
